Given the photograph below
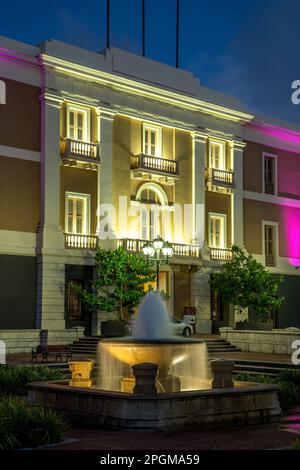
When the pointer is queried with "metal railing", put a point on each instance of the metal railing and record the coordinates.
(270, 260)
(269, 188)
(82, 150)
(83, 242)
(221, 177)
(155, 164)
(221, 254)
(180, 249)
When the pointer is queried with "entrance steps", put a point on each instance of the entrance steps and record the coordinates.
(215, 346)
(88, 345)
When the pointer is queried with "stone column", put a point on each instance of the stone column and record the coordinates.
(222, 370)
(145, 379)
(237, 149)
(200, 298)
(105, 177)
(50, 239)
(198, 187)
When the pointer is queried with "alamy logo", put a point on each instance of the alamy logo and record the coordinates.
(2, 92)
(296, 353)
(2, 352)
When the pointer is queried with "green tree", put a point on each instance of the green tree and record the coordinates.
(119, 281)
(244, 282)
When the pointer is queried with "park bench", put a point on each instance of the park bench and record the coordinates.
(55, 350)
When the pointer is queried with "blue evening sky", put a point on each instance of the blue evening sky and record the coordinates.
(245, 48)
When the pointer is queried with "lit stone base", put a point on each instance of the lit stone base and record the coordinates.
(274, 342)
(203, 409)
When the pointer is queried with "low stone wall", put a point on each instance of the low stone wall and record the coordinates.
(275, 341)
(246, 404)
(22, 341)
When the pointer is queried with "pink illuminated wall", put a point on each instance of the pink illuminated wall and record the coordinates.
(291, 226)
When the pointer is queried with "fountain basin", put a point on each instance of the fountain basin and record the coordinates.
(163, 352)
(246, 403)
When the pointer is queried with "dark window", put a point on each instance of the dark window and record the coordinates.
(76, 312)
(269, 174)
(217, 308)
(270, 245)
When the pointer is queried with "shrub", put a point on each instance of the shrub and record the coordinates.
(13, 379)
(288, 381)
(24, 426)
(295, 445)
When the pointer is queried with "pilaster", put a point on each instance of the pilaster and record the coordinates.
(50, 239)
(200, 298)
(237, 149)
(198, 187)
(106, 207)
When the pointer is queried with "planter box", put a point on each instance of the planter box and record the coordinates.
(113, 328)
(251, 325)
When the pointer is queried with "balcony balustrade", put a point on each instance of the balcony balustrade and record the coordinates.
(221, 254)
(82, 242)
(163, 169)
(82, 152)
(220, 179)
(180, 249)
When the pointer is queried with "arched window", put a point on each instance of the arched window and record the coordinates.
(152, 199)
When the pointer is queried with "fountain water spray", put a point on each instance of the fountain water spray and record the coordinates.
(182, 362)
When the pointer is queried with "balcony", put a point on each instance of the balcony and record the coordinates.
(219, 180)
(180, 249)
(162, 170)
(84, 153)
(81, 242)
(221, 254)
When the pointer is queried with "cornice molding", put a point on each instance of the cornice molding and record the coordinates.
(148, 91)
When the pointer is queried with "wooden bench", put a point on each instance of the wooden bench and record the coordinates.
(57, 350)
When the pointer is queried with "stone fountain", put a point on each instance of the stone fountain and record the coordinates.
(182, 363)
(153, 380)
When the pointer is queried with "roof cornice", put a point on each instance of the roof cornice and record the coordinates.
(142, 89)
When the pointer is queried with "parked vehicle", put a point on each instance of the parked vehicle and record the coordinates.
(181, 328)
(178, 327)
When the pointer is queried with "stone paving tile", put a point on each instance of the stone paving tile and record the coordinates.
(234, 438)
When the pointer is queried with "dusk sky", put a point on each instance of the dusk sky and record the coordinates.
(247, 49)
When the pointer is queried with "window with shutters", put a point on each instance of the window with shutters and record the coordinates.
(78, 123)
(217, 230)
(217, 155)
(77, 213)
(270, 242)
(152, 142)
(269, 173)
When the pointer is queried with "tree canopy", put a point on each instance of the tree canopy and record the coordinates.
(244, 282)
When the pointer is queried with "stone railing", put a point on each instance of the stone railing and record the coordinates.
(222, 178)
(82, 151)
(180, 249)
(154, 164)
(220, 254)
(83, 242)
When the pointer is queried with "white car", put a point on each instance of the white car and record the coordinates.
(180, 328)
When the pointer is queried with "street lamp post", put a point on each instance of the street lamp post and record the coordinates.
(158, 252)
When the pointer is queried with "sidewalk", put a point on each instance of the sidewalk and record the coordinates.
(269, 436)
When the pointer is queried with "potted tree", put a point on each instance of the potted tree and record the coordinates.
(246, 283)
(118, 286)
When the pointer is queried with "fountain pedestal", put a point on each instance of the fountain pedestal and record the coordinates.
(145, 379)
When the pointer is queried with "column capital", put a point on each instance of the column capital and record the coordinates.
(199, 136)
(106, 113)
(50, 99)
(237, 145)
